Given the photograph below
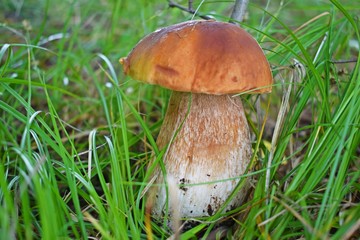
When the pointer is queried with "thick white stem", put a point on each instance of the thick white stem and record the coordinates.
(210, 149)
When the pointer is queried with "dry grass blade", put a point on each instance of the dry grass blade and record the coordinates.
(148, 227)
(296, 75)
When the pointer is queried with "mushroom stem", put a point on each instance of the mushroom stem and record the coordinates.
(210, 148)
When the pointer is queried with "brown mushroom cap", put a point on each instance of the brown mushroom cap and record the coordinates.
(201, 57)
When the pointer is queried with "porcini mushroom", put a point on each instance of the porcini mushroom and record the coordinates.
(205, 128)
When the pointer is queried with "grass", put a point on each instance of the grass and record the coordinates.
(76, 135)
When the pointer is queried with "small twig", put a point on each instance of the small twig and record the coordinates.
(191, 5)
(344, 61)
(239, 11)
(189, 10)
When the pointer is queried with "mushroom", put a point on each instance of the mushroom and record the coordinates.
(205, 129)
